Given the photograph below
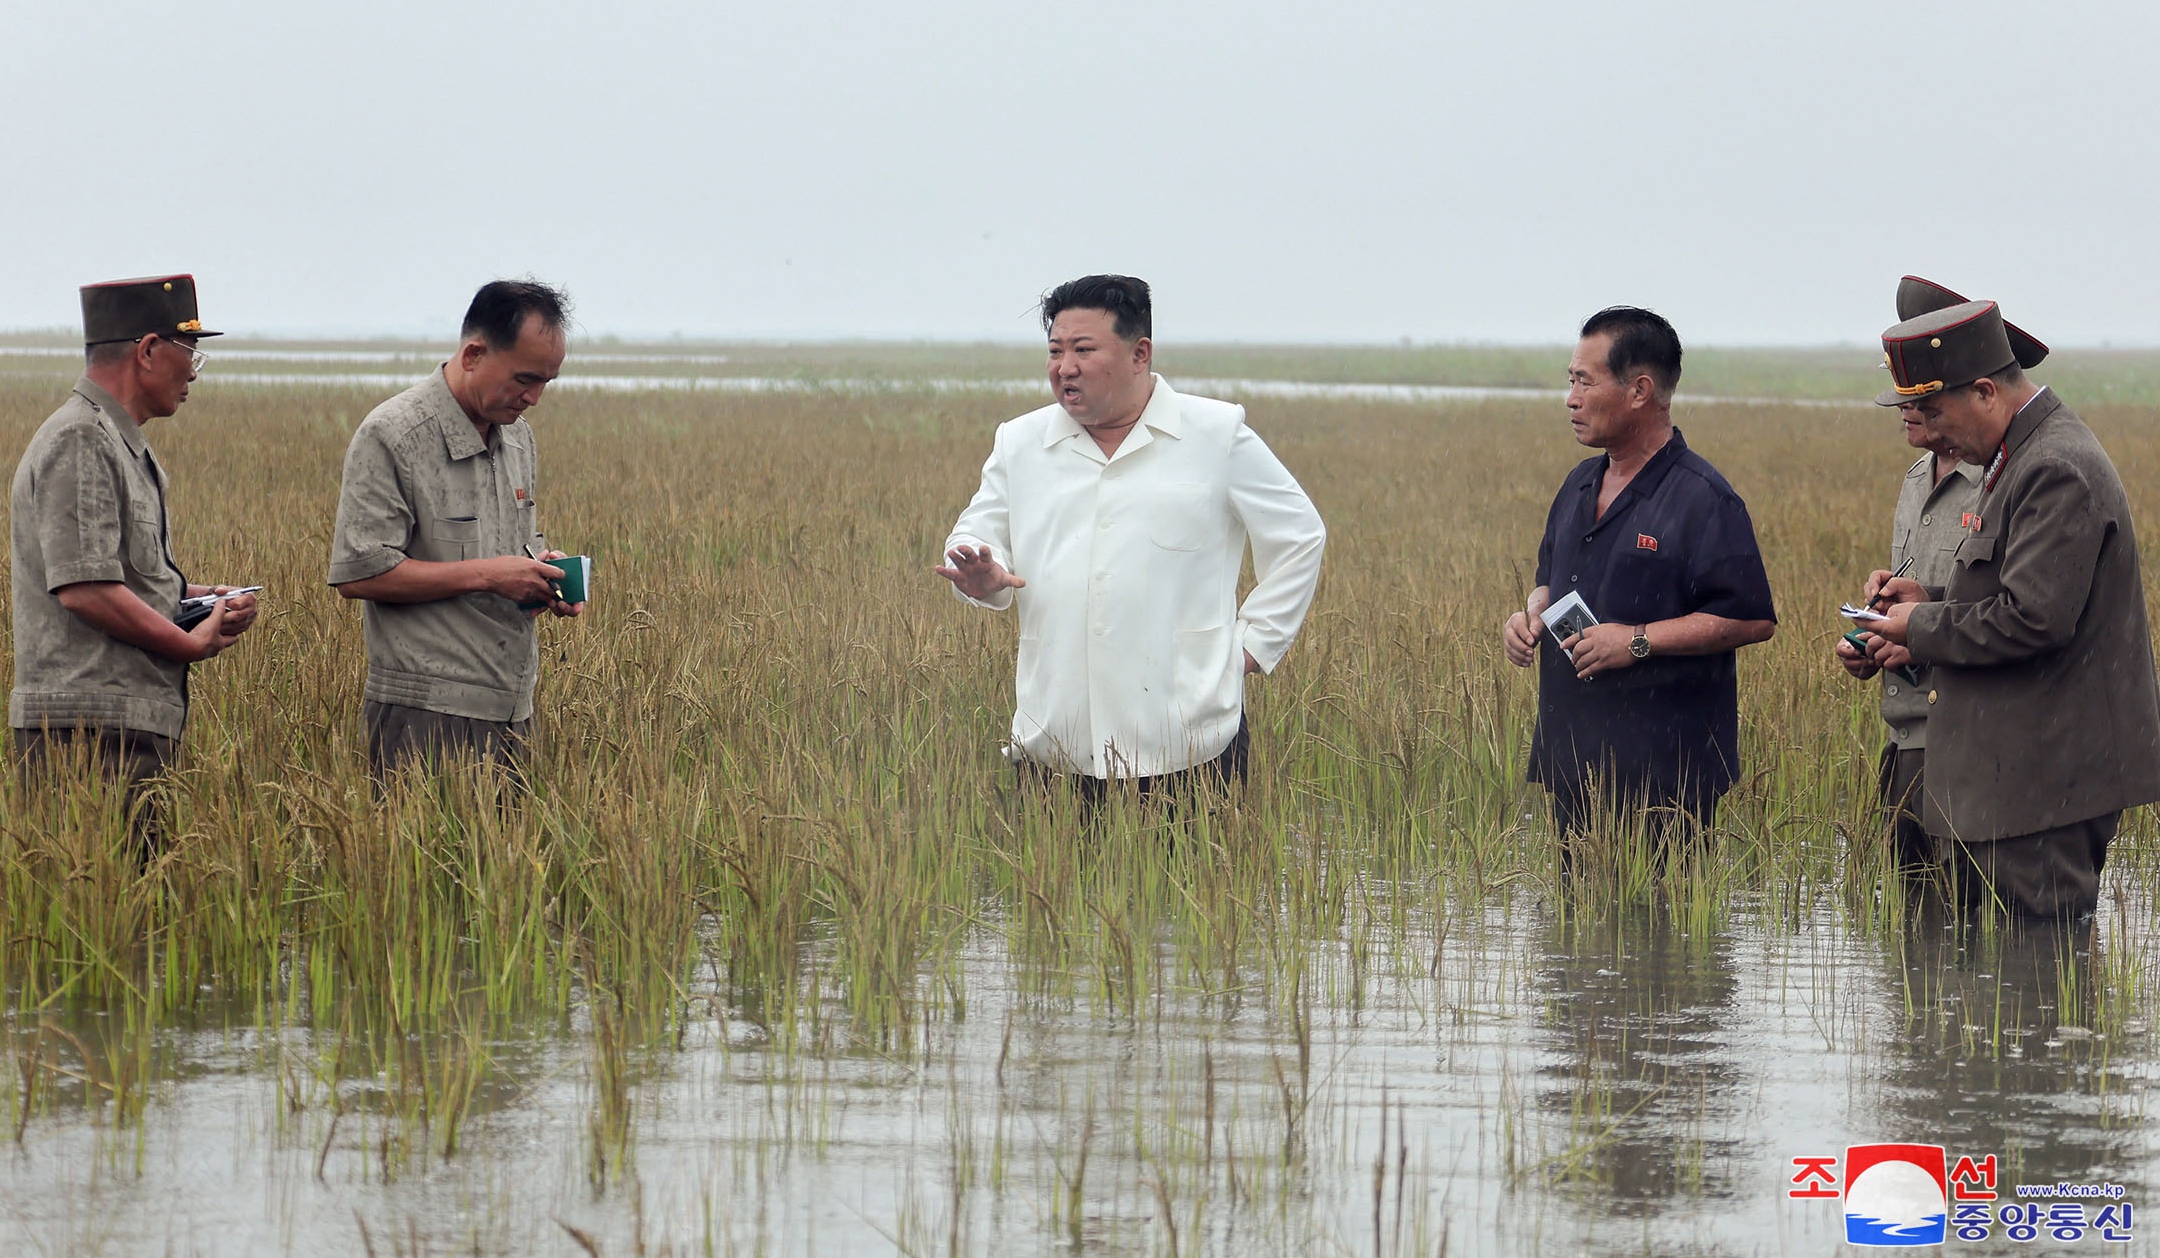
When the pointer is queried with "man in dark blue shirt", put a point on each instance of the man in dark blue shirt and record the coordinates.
(1642, 707)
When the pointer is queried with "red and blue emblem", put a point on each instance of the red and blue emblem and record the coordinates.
(1896, 1194)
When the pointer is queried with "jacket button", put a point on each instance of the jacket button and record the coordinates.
(1927, 519)
(1890, 690)
(1931, 696)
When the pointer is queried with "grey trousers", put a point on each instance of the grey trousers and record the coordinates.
(133, 757)
(2052, 874)
(1902, 776)
(398, 735)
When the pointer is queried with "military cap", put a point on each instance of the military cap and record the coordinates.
(1916, 297)
(128, 310)
(1944, 349)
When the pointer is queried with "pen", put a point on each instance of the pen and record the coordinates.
(1902, 569)
(207, 600)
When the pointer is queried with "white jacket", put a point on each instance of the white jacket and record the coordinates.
(1132, 642)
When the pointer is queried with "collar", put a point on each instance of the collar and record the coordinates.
(2037, 408)
(1162, 414)
(458, 433)
(1646, 481)
(115, 414)
(1970, 471)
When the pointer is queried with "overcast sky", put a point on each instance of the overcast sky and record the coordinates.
(1359, 172)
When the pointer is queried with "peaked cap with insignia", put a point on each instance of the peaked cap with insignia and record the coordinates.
(1944, 349)
(1916, 297)
(128, 310)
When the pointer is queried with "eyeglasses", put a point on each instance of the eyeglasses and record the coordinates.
(197, 360)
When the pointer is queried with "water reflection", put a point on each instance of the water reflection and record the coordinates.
(2013, 1044)
(1553, 1081)
(1638, 1062)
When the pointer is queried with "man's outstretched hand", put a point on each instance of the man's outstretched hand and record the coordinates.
(976, 574)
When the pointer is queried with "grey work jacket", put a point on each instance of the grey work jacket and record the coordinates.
(1930, 523)
(422, 483)
(89, 505)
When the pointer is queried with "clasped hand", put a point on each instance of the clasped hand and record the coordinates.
(1598, 649)
(1895, 597)
(1601, 648)
(529, 582)
(228, 619)
(1889, 590)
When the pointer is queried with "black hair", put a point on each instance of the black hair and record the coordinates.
(498, 310)
(1641, 342)
(1124, 298)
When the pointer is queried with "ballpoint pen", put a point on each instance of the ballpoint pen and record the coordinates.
(1902, 568)
(1908, 672)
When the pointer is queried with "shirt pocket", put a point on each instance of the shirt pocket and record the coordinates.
(146, 543)
(1933, 564)
(1975, 550)
(1642, 586)
(1182, 516)
(447, 539)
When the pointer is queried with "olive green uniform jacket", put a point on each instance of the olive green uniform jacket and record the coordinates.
(2045, 707)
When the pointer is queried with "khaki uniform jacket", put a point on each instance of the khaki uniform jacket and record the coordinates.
(421, 483)
(1930, 523)
(89, 505)
(2046, 708)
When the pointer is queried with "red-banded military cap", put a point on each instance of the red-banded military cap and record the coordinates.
(128, 310)
(1916, 297)
(1944, 349)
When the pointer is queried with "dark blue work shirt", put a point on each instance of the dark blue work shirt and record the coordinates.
(1665, 730)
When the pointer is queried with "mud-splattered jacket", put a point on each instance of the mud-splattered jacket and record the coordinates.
(421, 483)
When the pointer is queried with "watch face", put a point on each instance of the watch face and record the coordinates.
(1640, 647)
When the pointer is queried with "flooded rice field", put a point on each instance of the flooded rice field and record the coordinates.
(774, 963)
(1525, 1079)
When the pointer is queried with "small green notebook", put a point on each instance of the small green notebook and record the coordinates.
(575, 583)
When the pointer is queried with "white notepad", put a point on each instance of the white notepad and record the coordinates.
(1567, 618)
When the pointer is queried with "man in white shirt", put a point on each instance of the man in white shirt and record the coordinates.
(1117, 520)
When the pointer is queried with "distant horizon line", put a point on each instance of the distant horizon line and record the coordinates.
(349, 336)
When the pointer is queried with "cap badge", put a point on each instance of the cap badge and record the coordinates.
(192, 325)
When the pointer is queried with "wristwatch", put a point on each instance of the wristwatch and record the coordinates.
(1640, 647)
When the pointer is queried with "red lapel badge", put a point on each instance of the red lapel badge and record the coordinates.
(1643, 541)
(521, 498)
(1971, 522)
